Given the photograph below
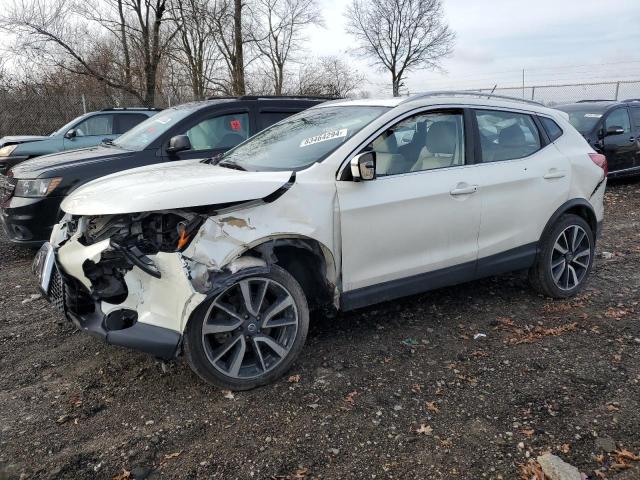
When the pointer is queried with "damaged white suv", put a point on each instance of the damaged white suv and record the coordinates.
(344, 205)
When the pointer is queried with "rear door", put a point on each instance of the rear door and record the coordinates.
(522, 180)
(621, 150)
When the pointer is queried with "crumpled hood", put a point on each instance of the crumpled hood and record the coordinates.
(45, 164)
(21, 139)
(188, 183)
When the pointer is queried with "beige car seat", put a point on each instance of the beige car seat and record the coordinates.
(388, 160)
(440, 147)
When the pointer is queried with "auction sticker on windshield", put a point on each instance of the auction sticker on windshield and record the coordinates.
(323, 137)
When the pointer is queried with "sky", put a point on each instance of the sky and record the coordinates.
(554, 41)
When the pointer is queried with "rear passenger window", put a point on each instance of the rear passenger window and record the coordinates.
(552, 128)
(266, 119)
(618, 118)
(506, 135)
(635, 114)
(126, 121)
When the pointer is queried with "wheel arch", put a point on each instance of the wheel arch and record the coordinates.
(577, 206)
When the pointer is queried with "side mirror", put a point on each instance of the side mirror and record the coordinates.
(363, 166)
(70, 134)
(613, 130)
(179, 143)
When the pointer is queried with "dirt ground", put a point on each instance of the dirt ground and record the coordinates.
(399, 390)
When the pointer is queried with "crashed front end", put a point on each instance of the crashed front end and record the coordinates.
(123, 278)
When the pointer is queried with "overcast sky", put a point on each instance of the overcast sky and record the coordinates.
(554, 41)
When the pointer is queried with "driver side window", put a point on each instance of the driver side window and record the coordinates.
(618, 118)
(426, 141)
(221, 132)
(96, 125)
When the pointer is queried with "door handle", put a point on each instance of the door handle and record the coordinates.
(553, 173)
(464, 189)
(632, 139)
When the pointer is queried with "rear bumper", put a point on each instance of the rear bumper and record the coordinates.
(119, 327)
(29, 221)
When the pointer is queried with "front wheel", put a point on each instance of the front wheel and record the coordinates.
(250, 332)
(565, 258)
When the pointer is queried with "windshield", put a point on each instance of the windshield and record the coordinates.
(140, 136)
(303, 139)
(583, 117)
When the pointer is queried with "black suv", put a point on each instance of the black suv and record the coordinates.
(31, 193)
(611, 128)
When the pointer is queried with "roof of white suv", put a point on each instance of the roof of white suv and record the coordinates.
(446, 98)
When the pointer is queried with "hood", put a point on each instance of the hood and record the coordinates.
(36, 166)
(189, 183)
(21, 139)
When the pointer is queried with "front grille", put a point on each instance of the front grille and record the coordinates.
(56, 290)
(7, 186)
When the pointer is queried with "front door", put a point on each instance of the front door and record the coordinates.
(214, 134)
(420, 215)
(91, 131)
(620, 149)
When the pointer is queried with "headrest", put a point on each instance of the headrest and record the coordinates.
(386, 143)
(511, 137)
(441, 138)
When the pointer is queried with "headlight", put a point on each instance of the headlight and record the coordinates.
(8, 150)
(40, 187)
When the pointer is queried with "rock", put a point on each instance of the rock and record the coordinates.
(140, 472)
(334, 451)
(31, 298)
(606, 444)
(557, 469)
(607, 255)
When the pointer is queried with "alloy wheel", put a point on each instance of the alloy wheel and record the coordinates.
(571, 257)
(250, 328)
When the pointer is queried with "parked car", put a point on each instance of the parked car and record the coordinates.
(32, 191)
(611, 128)
(343, 205)
(85, 131)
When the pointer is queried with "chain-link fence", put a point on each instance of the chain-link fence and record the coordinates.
(41, 114)
(557, 94)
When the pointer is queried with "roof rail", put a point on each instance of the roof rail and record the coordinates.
(469, 93)
(631, 100)
(595, 100)
(109, 109)
(267, 97)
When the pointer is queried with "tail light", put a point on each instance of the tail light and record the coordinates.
(601, 161)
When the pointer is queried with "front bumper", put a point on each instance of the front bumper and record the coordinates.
(29, 221)
(119, 327)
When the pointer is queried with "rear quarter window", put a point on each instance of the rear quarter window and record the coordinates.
(551, 127)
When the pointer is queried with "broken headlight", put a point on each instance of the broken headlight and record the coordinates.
(150, 232)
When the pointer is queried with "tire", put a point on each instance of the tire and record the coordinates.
(240, 344)
(559, 274)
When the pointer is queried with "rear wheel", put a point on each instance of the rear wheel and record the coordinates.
(250, 332)
(565, 258)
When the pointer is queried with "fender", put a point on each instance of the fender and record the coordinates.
(564, 208)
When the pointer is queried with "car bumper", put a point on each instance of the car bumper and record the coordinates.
(29, 221)
(151, 315)
(119, 327)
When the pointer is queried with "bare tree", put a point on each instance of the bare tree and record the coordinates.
(229, 25)
(328, 76)
(279, 32)
(400, 35)
(66, 34)
(197, 46)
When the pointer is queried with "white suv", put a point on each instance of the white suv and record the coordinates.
(346, 204)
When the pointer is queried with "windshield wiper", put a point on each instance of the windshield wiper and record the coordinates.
(231, 164)
(213, 160)
(107, 141)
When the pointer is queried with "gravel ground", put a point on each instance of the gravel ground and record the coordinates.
(399, 390)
